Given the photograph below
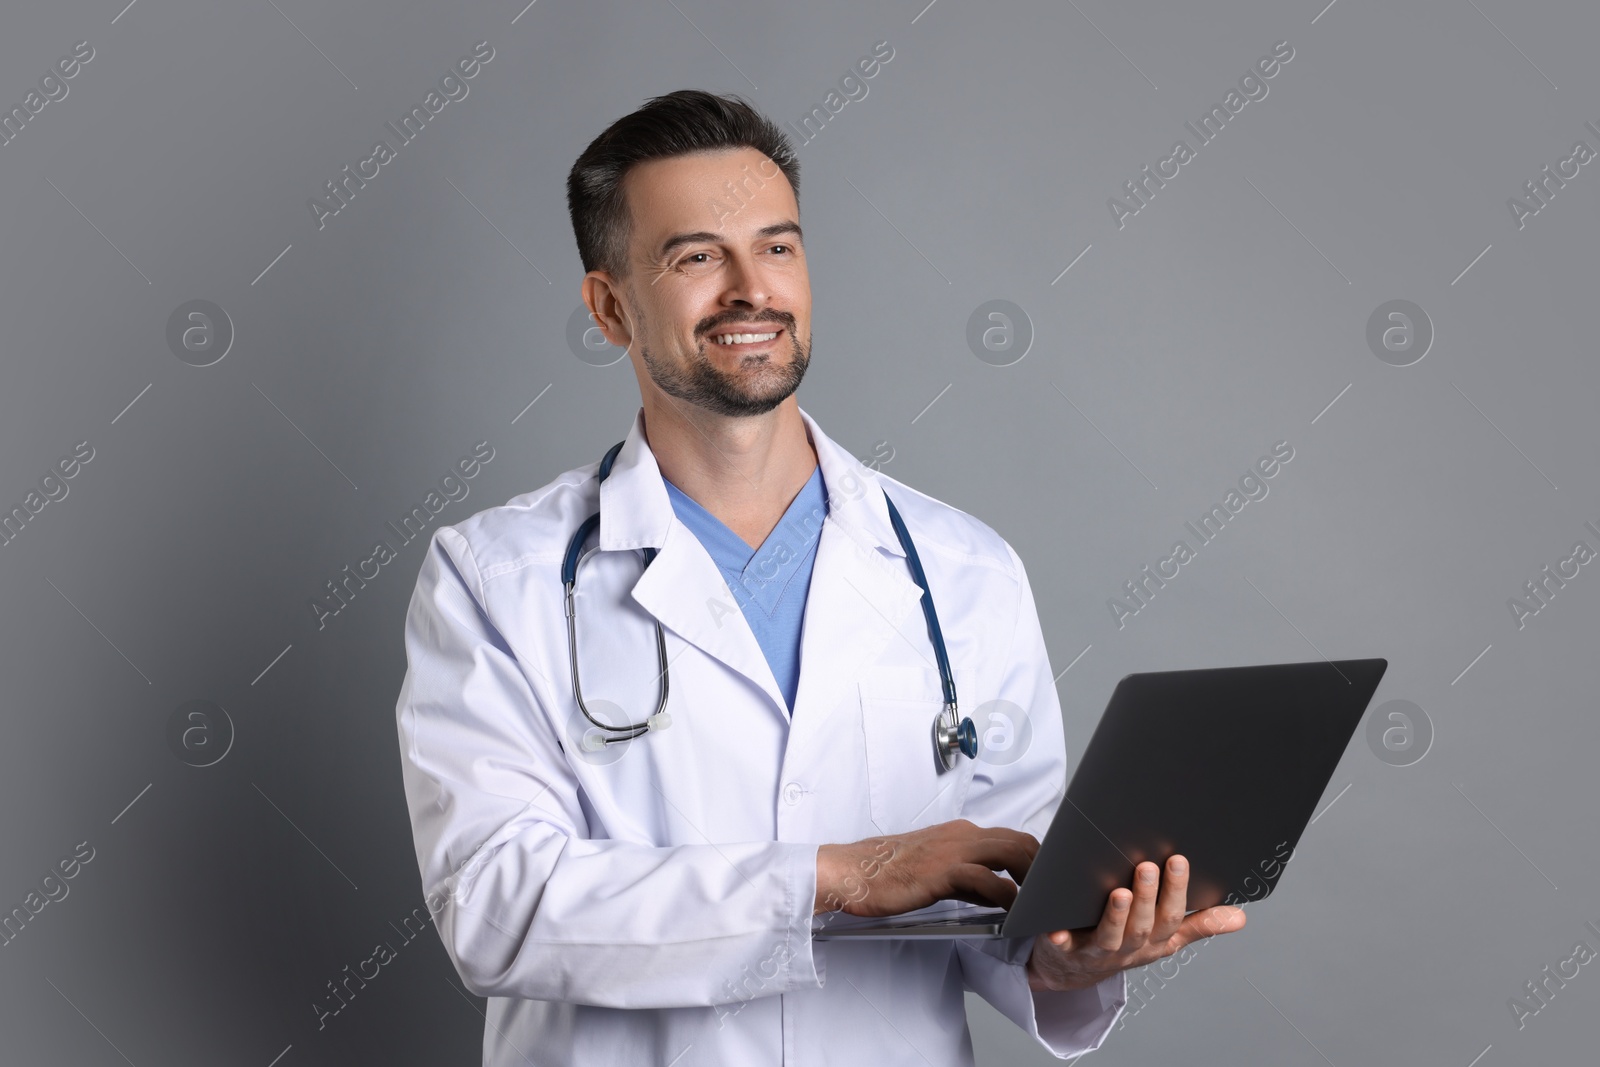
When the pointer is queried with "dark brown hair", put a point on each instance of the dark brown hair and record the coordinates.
(677, 124)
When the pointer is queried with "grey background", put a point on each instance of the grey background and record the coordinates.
(1226, 316)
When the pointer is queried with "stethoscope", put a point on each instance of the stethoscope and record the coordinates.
(951, 732)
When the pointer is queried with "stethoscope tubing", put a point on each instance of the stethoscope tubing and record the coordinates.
(631, 730)
(951, 733)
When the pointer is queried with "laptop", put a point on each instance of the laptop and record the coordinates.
(1224, 765)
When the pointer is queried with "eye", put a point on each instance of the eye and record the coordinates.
(785, 248)
(697, 262)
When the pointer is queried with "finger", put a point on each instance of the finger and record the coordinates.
(1108, 935)
(1066, 939)
(1069, 939)
(1142, 916)
(976, 884)
(1080, 936)
(996, 831)
(999, 853)
(1222, 919)
(1170, 905)
(1025, 841)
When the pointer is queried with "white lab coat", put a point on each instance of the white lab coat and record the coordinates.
(653, 904)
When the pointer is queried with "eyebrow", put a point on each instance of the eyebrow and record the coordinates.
(774, 230)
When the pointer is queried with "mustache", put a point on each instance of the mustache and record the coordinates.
(780, 318)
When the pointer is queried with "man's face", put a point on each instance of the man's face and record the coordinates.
(715, 257)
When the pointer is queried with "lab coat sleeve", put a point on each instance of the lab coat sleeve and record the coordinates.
(1023, 795)
(526, 903)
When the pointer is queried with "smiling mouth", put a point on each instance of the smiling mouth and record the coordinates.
(744, 342)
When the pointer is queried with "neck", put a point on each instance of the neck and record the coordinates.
(744, 470)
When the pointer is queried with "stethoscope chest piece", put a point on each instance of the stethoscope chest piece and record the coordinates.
(951, 737)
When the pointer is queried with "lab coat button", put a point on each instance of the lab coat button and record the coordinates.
(793, 792)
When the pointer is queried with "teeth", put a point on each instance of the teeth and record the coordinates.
(743, 338)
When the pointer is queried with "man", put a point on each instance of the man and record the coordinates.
(651, 900)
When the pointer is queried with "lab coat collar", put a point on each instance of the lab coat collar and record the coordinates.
(857, 600)
(636, 512)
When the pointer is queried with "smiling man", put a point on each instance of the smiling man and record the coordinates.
(629, 834)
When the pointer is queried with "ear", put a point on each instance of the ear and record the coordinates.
(602, 296)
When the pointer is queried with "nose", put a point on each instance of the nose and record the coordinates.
(747, 282)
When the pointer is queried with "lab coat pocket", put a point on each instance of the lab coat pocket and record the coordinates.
(905, 789)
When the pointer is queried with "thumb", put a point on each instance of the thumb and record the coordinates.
(1222, 919)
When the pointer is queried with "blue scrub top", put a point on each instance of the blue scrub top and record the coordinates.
(770, 583)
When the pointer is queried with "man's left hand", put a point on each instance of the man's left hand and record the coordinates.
(1138, 927)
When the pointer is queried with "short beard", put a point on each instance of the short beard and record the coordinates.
(705, 386)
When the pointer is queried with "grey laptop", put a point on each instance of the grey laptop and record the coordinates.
(1223, 764)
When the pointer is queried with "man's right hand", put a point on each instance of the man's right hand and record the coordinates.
(903, 872)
